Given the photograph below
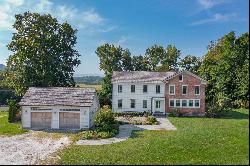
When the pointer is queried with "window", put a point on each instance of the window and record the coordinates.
(132, 88)
(119, 103)
(157, 104)
(145, 104)
(184, 103)
(184, 89)
(180, 77)
(197, 103)
(145, 88)
(119, 88)
(171, 89)
(171, 103)
(197, 90)
(177, 103)
(132, 103)
(158, 89)
(68, 109)
(190, 103)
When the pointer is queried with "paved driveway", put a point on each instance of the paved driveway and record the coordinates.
(28, 148)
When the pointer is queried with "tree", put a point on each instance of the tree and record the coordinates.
(154, 55)
(43, 53)
(140, 63)
(190, 63)
(225, 68)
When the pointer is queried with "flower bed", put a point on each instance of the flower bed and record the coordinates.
(141, 120)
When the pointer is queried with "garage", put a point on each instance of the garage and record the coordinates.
(41, 120)
(69, 120)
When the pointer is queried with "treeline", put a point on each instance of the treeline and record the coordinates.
(92, 80)
(224, 66)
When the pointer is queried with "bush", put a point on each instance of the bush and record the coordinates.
(176, 113)
(217, 109)
(104, 119)
(145, 113)
(14, 110)
(151, 121)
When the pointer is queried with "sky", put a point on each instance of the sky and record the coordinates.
(134, 24)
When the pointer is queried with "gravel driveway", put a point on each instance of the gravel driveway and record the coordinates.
(29, 148)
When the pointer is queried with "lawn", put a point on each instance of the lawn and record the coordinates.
(7, 128)
(196, 141)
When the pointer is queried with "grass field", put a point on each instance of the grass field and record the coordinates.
(7, 128)
(97, 87)
(196, 141)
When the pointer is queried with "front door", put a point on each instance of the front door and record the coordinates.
(158, 106)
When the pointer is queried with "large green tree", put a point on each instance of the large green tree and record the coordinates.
(190, 63)
(43, 53)
(225, 67)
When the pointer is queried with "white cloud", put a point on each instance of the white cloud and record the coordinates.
(218, 17)
(15, 2)
(122, 40)
(206, 4)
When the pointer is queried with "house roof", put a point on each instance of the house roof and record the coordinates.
(54, 96)
(147, 76)
(140, 76)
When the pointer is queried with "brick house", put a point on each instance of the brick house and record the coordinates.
(158, 92)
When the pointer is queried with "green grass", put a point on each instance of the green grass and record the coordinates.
(7, 128)
(196, 141)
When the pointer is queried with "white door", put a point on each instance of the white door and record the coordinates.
(159, 106)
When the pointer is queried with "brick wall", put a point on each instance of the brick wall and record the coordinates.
(191, 81)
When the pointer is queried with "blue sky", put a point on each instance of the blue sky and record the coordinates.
(134, 24)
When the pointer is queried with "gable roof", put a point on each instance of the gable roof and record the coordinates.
(54, 96)
(147, 76)
(139, 76)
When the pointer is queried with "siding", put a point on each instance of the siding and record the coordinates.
(139, 96)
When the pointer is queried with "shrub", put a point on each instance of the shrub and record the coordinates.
(176, 113)
(145, 113)
(151, 121)
(14, 110)
(104, 119)
(217, 109)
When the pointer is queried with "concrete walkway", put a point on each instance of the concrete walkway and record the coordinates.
(126, 130)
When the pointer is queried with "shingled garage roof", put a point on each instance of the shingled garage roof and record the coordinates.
(54, 96)
(140, 76)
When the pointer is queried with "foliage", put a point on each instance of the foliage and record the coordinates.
(14, 110)
(104, 119)
(145, 113)
(151, 120)
(197, 141)
(176, 112)
(43, 53)
(7, 128)
(190, 63)
(225, 67)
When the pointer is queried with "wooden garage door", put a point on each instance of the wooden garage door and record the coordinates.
(69, 120)
(41, 120)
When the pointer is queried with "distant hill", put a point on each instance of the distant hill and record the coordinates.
(2, 67)
(93, 80)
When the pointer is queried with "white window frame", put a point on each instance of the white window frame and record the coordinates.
(119, 89)
(182, 89)
(118, 104)
(199, 89)
(181, 77)
(174, 103)
(187, 103)
(170, 88)
(156, 89)
(131, 103)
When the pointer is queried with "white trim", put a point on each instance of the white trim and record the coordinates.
(181, 103)
(182, 89)
(199, 90)
(169, 89)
